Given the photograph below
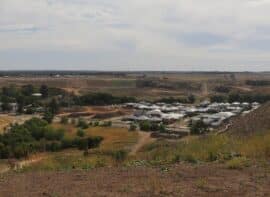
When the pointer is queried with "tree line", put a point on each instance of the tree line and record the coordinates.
(36, 135)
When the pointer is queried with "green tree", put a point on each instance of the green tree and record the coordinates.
(80, 133)
(28, 90)
(48, 116)
(44, 90)
(64, 120)
(53, 106)
(198, 127)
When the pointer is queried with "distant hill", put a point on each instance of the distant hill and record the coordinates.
(255, 122)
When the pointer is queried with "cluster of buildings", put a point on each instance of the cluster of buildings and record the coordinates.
(212, 114)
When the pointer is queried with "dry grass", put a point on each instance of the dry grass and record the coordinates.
(5, 120)
(238, 163)
(114, 138)
(221, 148)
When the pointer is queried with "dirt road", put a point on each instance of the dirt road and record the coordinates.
(144, 139)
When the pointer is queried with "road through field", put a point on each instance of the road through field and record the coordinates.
(144, 139)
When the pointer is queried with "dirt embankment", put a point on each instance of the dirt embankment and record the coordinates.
(255, 122)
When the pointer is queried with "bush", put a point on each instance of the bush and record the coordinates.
(119, 155)
(107, 124)
(64, 120)
(132, 127)
(145, 126)
(96, 124)
(67, 143)
(94, 142)
(53, 146)
(83, 144)
(52, 134)
(238, 163)
(48, 116)
(222, 89)
(82, 124)
(198, 128)
(21, 150)
(162, 128)
(80, 133)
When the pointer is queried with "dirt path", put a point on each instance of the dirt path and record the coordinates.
(17, 165)
(247, 89)
(205, 89)
(144, 138)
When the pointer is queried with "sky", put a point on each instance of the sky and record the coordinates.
(227, 35)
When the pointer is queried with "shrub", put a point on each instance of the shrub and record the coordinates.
(53, 146)
(82, 124)
(198, 127)
(83, 144)
(80, 133)
(238, 163)
(162, 128)
(64, 120)
(96, 124)
(94, 142)
(52, 134)
(145, 126)
(132, 127)
(66, 143)
(119, 155)
(48, 116)
(21, 150)
(107, 124)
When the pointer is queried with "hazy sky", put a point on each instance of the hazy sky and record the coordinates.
(135, 34)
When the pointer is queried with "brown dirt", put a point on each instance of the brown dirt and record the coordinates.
(257, 121)
(178, 180)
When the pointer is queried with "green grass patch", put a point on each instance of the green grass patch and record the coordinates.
(238, 163)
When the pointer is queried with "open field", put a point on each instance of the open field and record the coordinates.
(126, 83)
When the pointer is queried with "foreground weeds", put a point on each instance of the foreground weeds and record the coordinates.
(236, 153)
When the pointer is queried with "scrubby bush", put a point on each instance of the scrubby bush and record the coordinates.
(67, 143)
(119, 155)
(48, 116)
(198, 127)
(82, 124)
(145, 126)
(80, 133)
(132, 127)
(96, 124)
(162, 128)
(93, 142)
(238, 163)
(64, 120)
(107, 124)
(53, 134)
